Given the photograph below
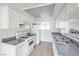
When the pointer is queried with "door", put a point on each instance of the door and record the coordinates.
(45, 32)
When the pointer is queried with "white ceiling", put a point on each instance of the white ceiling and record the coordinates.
(22, 6)
(42, 11)
(59, 11)
(55, 11)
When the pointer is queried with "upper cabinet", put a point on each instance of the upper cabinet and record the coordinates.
(11, 19)
(71, 7)
(14, 17)
(4, 17)
(24, 21)
(68, 11)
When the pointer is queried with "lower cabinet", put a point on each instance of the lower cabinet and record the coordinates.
(21, 49)
(8, 50)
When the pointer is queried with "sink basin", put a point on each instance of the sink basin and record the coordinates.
(24, 37)
(30, 34)
(62, 40)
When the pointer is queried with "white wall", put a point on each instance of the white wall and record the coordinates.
(53, 26)
(10, 32)
(46, 35)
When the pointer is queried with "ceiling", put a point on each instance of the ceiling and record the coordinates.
(74, 14)
(59, 11)
(22, 6)
(42, 11)
(49, 11)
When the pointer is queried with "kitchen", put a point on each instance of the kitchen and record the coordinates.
(39, 29)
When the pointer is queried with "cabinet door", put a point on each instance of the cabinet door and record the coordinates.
(21, 50)
(24, 20)
(4, 17)
(13, 19)
(34, 40)
(8, 50)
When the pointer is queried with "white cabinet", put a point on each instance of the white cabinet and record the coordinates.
(8, 50)
(4, 17)
(71, 7)
(23, 18)
(34, 40)
(21, 49)
(24, 21)
(13, 18)
(9, 18)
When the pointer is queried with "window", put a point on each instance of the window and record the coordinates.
(44, 26)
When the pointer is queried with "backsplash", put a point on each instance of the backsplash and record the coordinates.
(5, 33)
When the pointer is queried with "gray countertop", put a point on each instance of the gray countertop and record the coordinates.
(75, 35)
(74, 38)
(64, 49)
(14, 40)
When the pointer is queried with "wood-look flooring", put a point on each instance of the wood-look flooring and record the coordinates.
(43, 49)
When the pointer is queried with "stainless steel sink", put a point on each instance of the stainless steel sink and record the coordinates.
(62, 39)
(24, 37)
